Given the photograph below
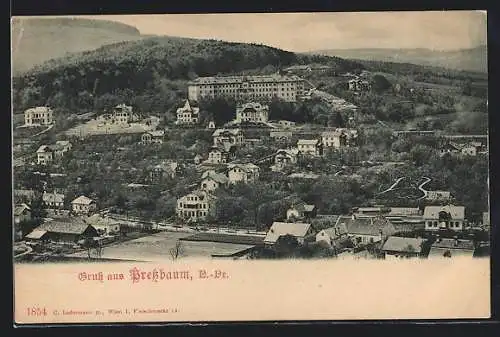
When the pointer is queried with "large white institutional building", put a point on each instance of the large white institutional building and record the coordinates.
(287, 88)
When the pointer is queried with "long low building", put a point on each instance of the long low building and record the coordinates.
(288, 88)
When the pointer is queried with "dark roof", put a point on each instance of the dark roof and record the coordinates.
(367, 225)
(225, 238)
(67, 226)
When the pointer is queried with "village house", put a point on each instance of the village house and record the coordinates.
(212, 180)
(53, 200)
(444, 247)
(153, 137)
(68, 231)
(301, 211)
(83, 205)
(286, 124)
(221, 154)
(310, 147)
(122, 114)
(366, 230)
(252, 113)
(357, 84)
(243, 173)
(22, 213)
(104, 226)
(284, 158)
(401, 247)
(166, 169)
(41, 115)
(188, 115)
(332, 235)
(339, 138)
(46, 154)
(227, 136)
(297, 229)
(196, 206)
(444, 217)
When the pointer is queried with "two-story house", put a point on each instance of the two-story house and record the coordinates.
(188, 114)
(444, 217)
(196, 206)
(243, 173)
(41, 115)
(153, 137)
(228, 136)
(211, 181)
(221, 154)
(83, 205)
(252, 113)
(310, 147)
(284, 158)
(334, 139)
(46, 154)
(122, 114)
(53, 200)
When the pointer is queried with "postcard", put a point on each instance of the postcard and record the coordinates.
(250, 167)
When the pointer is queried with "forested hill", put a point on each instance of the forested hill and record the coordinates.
(36, 40)
(154, 69)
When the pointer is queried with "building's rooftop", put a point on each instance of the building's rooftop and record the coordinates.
(290, 152)
(243, 166)
(83, 200)
(217, 177)
(278, 229)
(53, 197)
(241, 79)
(38, 109)
(456, 212)
(402, 245)
(307, 142)
(303, 176)
(367, 226)
(36, 234)
(19, 209)
(67, 226)
(453, 244)
(220, 132)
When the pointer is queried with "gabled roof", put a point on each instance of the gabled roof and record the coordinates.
(456, 212)
(19, 209)
(303, 207)
(278, 229)
(67, 226)
(82, 200)
(334, 232)
(367, 225)
(38, 109)
(400, 244)
(289, 152)
(217, 177)
(403, 211)
(43, 148)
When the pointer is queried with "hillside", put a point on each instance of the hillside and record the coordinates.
(474, 59)
(150, 73)
(35, 40)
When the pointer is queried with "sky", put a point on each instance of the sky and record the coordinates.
(301, 32)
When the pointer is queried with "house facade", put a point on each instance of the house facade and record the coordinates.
(187, 114)
(46, 154)
(153, 137)
(53, 200)
(227, 136)
(310, 147)
(444, 217)
(122, 114)
(39, 116)
(243, 88)
(366, 230)
(221, 154)
(339, 138)
(212, 181)
(243, 173)
(195, 206)
(285, 157)
(83, 205)
(252, 112)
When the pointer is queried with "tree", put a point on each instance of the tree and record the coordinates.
(380, 83)
(176, 251)
(286, 245)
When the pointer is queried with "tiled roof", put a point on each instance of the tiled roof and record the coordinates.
(38, 109)
(367, 226)
(36, 234)
(334, 232)
(67, 226)
(400, 244)
(404, 211)
(278, 229)
(82, 200)
(456, 212)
